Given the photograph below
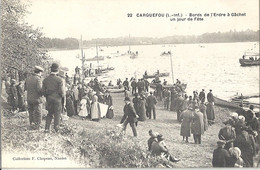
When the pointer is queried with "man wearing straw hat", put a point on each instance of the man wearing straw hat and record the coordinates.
(33, 86)
(53, 90)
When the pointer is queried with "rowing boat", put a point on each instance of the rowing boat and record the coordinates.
(116, 90)
(154, 75)
(224, 103)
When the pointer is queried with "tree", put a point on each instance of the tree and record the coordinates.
(20, 43)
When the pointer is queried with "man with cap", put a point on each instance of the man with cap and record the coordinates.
(126, 84)
(220, 155)
(33, 86)
(179, 102)
(197, 126)
(159, 148)
(202, 95)
(228, 134)
(151, 102)
(153, 138)
(130, 116)
(210, 97)
(53, 90)
(133, 85)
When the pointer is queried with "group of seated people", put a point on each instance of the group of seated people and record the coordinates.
(157, 146)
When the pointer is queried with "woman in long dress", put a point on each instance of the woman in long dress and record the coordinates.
(69, 103)
(142, 110)
(95, 111)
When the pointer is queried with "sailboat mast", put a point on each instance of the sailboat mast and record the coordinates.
(82, 55)
(97, 54)
(171, 66)
(129, 50)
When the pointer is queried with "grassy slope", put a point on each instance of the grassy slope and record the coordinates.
(16, 137)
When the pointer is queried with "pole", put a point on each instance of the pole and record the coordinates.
(171, 66)
(129, 50)
(82, 57)
(97, 54)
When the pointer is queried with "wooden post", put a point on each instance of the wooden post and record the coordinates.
(171, 66)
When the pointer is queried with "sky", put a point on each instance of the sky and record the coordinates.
(108, 18)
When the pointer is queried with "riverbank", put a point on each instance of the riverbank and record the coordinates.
(104, 145)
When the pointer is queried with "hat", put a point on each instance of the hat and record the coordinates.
(241, 118)
(221, 142)
(127, 99)
(62, 73)
(13, 81)
(234, 115)
(54, 67)
(210, 90)
(160, 136)
(38, 68)
(235, 151)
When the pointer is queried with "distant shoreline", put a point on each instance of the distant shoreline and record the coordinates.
(91, 46)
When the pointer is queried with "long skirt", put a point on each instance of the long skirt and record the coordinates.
(95, 111)
(210, 111)
(70, 107)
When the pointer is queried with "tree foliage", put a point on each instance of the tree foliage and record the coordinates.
(20, 42)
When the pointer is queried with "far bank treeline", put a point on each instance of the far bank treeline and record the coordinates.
(219, 37)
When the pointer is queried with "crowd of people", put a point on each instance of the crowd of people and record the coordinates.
(239, 139)
(59, 95)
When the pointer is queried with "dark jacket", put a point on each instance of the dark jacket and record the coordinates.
(129, 114)
(33, 85)
(197, 126)
(151, 101)
(53, 87)
(220, 157)
(202, 96)
(210, 97)
(108, 100)
(133, 84)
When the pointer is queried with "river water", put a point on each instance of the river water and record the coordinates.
(210, 66)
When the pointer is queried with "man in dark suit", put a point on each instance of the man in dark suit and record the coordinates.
(210, 97)
(202, 95)
(126, 84)
(220, 155)
(33, 86)
(133, 85)
(130, 116)
(53, 90)
(151, 102)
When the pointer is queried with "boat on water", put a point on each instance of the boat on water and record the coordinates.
(252, 60)
(156, 74)
(165, 53)
(96, 58)
(107, 69)
(134, 55)
(115, 89)
(224, 103)
(183, 86)
(234, 103)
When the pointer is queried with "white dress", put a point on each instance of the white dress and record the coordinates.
(83, 108)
